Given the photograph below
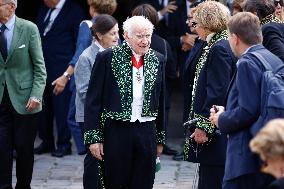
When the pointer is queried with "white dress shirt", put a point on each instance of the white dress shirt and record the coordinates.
(138, 94)
(8, 33)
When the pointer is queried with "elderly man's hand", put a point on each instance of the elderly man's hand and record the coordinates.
(159, 149)
(97, 150)
(32, 104)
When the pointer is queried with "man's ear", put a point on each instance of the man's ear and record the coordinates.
(236, 39)
(125, 35)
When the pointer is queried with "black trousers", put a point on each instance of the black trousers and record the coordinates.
(210, 177)
(249, 181)
(129, 154)
(55, 106)
(90, 175)
(16, 132)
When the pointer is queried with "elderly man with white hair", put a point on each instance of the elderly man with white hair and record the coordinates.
(22, 78)
(124, 98)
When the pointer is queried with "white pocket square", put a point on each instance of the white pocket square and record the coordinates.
(22, 46)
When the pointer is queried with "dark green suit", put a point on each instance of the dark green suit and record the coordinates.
(22, 76)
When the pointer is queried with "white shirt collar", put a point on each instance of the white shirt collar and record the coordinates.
(10, 24)
(99, 45)
(137, 56)
(60, 4)
(209, 37)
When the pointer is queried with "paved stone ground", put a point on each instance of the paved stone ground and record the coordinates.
(66, 172)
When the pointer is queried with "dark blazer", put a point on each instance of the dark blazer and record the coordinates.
(242, 111)
(105, 94)
(175, 28)
(162, 46)
(59, 43)
(277, 184)
(188, 75)
(273, 38)
(211, 89)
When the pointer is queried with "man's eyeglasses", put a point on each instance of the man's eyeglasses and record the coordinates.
(2, 4)
(278, 1)
(193, 24)
(140, 37)
(189, 18)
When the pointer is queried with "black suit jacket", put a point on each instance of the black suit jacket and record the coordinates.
(175, 28)
(59, 43)
(162, 46)
(277, 184)
(104, 94)
(188, 75)
(211, 89)
(273, 38)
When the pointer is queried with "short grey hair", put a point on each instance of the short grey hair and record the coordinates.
(12, 1)
(137, 21)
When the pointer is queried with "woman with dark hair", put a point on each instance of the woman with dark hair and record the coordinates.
(105, 33)
(162, 46)
(272, 27)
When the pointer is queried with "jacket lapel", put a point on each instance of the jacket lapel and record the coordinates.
(151, 63)
(60, 17)
(18, 30)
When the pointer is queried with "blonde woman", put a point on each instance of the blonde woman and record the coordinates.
(213, 72)
(268, 144)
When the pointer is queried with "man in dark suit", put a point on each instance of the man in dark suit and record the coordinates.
(124, 98)
(58, 23)
(22, 78)
(243, 103)
(272, 27)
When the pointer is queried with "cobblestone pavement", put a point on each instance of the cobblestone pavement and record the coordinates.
(66, 173)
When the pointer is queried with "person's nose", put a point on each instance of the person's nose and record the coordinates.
(144, 40)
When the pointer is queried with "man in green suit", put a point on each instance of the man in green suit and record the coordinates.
(22, 82)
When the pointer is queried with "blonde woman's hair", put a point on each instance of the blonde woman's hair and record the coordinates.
(212, 15)
(269, 141)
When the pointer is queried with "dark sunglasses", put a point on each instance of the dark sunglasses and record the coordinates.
(193, 24)
(277, 1)
(189, 17)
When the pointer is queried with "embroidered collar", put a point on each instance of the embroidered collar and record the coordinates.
(270, 18)
(121, 65)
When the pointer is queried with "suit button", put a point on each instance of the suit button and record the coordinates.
(5, 68)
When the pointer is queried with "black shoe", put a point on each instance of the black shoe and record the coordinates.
(179, 157)
(60, 152)
(82, 153)
(168, 151)
(41, 149)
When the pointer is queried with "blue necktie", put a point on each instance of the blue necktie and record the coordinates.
(3, 42)
(46, 21)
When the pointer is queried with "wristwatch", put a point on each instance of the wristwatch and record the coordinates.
(67, 75)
